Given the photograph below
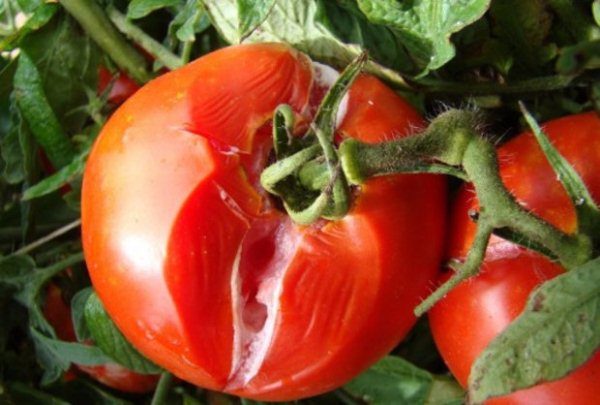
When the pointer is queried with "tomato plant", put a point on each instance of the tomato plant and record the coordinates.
(186, 235)
(472, 314)
(202, 272)
(58, 313)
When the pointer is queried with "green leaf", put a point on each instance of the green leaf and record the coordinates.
(425, 26)
(19, 272)
(141, 8)
(42, 121)
(348, 24)
(251, 13)
(582, 56)
(13, 170)
(303, 24)
(111, 340)
(395, 381)
(190, 20)
(557, 332)
(67, 61)
(78, 303)
(524, 26)
(596, 11)
(574, 18)
(588, 214)
(20, 393)
(82, 391)
(55, 181)
(69, 352)
(40, 17)
(16, 270)
(29, 293)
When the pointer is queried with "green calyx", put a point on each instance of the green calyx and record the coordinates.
(322, 192)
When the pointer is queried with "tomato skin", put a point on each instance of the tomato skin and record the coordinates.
(471, 315)
(58, 314)
(206, 278)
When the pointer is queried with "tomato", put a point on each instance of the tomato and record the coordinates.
(471, 315)
(122, 88)
(201, 271)
(58, 314)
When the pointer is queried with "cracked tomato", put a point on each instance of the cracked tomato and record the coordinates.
(476, 311)
(201, 271)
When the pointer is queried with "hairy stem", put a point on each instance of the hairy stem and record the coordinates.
(463, 270)
(480, 164)
(452, 141)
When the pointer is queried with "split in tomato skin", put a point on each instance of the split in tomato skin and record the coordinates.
(476, 311)
(113, 375)
(201, 272)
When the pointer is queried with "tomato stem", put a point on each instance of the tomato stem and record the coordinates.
(94, 21)
(463, 270)
(450, 144)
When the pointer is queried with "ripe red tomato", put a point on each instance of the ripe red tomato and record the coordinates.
(201, 271)
(58, 313)
(471, 315)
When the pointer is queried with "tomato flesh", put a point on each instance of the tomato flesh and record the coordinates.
(471, 315)
(206, 277)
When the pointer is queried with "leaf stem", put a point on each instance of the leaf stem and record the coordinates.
(57, 267)
(94, 21)
(162, 389)
(149, 44)
(53, 235)
(536, 85)
(186, 51)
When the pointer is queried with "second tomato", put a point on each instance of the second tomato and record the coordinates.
(475, 312)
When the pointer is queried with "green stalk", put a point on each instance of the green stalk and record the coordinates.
(452, 140)
(51, 236)
(536, 85)
(94, 21)
(63, 264)
(162, 389)
(149, 44)
(481, 166)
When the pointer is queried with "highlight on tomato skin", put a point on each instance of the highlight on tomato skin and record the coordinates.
(113, 375)
(200, 270)
(492, 299)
